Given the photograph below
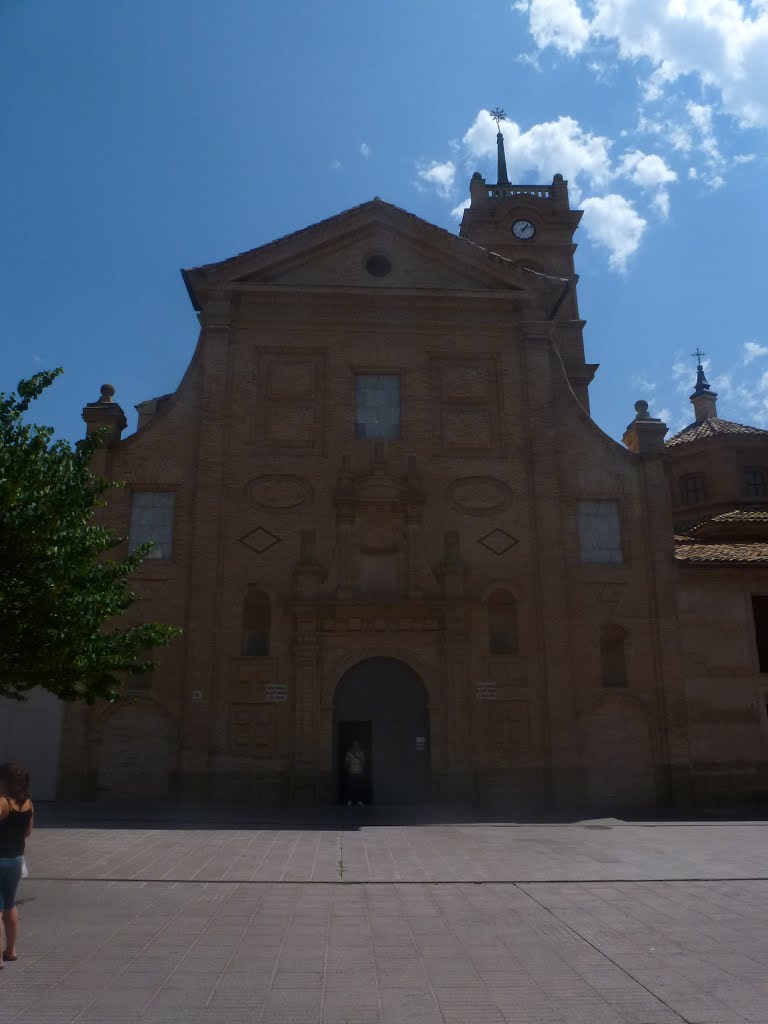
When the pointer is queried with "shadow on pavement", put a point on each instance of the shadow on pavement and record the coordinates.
(221, 817)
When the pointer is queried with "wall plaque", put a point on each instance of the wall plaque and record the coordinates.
(485, 691)
(276, 693)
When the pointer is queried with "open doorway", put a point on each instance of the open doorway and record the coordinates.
(382, 703)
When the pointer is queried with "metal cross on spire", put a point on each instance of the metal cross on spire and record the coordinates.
(498, 115)
(698, 356)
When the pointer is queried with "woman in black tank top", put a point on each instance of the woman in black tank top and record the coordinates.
(15, 825)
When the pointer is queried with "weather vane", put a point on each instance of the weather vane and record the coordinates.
(698, 356)
(498, 115)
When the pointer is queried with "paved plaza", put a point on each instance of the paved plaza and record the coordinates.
(361, 919)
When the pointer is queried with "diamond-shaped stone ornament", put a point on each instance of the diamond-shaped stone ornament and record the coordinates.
(498, 541)
(260, 540)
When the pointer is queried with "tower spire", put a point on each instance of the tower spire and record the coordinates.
(498, 115)
(703, 399)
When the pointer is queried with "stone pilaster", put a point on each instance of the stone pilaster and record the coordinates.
(312, 747)
(199, 698)
(552, 686)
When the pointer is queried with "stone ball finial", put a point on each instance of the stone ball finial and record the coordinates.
(558, 177)
(641, 408)
(107, 392)
(477, 176)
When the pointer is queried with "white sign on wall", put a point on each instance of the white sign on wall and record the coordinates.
(276, 693)
(485, 691)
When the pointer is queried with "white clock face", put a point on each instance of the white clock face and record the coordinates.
(523, 229)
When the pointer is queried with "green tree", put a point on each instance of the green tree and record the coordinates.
(61, 597)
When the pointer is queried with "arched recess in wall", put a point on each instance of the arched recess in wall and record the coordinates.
(257, 624)
(502, 623)
(136, 751)
(613, 656)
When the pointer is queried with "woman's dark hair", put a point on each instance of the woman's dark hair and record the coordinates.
(16, 781)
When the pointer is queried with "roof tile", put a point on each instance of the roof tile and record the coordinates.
(722, 554)
(713, 426)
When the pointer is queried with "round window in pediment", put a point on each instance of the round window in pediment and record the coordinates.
(378, 265)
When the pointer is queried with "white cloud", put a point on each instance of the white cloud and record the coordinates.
(642, 382)
(558, 23)
(365, 150)
(552, 147)
(441, 176)
(584, 158)
(646, 170)
(660, 204)
(458, 211)
(612, 222)
(722, 42)
(335, 165)
(754, 351)
(649, 172)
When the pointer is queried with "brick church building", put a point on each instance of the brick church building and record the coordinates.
(381, 511)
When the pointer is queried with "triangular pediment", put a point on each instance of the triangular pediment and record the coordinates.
(375, 245)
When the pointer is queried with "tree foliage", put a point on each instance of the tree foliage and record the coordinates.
(61, 596)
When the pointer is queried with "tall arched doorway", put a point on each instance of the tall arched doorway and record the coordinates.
(382, 703)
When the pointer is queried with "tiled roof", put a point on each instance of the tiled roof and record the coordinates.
(713, 426)
(721, 554)
(737, 515)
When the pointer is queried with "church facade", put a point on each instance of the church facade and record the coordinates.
(382, 512)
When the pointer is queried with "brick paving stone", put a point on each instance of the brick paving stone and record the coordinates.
(629, 924)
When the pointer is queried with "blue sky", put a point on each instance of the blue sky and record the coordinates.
(145, 137)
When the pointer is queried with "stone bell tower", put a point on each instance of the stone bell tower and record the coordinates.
(532, 226)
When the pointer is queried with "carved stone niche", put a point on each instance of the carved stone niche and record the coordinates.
(378, 524)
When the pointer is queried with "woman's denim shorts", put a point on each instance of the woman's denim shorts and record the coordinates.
(10, 876)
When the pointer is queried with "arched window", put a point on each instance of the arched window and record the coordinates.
(755, 482)
(502, 623)
(613, 660)
(256, 624)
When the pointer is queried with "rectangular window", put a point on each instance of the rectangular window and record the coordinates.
(377, 406)
(152, 521)
(599, 533)
(755, 483)
(692, 489)
(760, 616)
